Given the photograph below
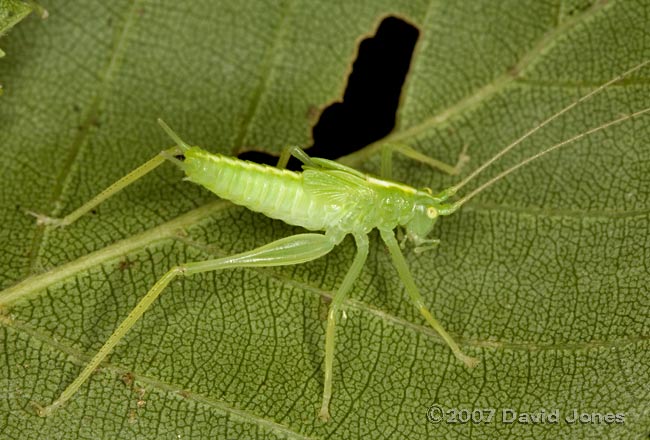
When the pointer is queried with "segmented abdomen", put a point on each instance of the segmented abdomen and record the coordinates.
(276, 193)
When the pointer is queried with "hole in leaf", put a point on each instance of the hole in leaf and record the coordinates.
(371, 97)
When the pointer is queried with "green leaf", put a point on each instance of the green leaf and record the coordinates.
(11, 12)
(544, 276)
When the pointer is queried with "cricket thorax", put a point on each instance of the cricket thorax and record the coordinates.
(403, 205)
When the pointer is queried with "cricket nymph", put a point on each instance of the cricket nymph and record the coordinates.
(325, 196)
(338, 201)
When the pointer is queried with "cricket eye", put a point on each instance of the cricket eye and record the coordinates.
(432, 212)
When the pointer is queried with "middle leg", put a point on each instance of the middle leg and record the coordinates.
(350, 278)
(295, 151)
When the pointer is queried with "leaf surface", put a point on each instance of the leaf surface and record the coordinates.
(544, 276)
(11, 12)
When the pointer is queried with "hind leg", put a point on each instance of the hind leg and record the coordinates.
(110, 191)
(287, 251)
(120, 184)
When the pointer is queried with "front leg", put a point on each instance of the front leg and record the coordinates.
(426, 244)
(407, 279)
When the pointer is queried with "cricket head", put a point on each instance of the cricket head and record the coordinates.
(426, 210)
(424, 216)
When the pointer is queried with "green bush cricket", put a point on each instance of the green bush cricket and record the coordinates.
(325, 196)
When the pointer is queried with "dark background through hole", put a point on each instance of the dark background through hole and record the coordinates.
(371, 97)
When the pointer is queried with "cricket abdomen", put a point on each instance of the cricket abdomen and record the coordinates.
(276, 193)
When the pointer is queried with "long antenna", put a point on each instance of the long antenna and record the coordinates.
(551, 118)
(502, 174)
